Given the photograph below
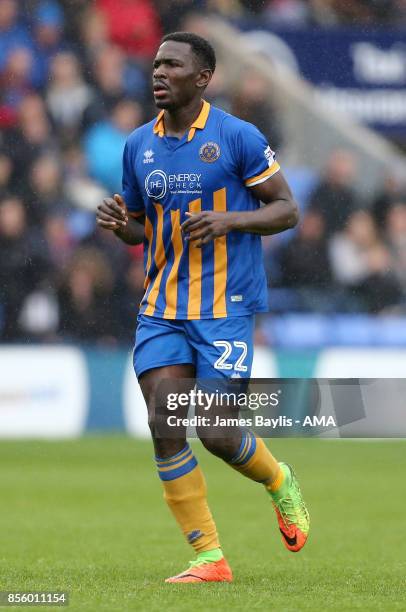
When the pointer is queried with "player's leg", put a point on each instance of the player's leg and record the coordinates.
(182, 479)
(224, 350)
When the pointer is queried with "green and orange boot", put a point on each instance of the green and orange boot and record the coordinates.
(292, 514)
(204, 569)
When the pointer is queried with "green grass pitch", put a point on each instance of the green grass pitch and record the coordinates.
(87, 516)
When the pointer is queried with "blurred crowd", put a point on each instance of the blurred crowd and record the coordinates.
(348, 254)
(75, 80)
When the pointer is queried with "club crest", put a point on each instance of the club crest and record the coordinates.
(209, 152)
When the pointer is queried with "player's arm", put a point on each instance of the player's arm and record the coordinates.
(279, 213)
(112, 215)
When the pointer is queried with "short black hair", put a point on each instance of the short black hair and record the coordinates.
(200, 47)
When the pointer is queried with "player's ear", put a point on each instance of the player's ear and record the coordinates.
(204, 78)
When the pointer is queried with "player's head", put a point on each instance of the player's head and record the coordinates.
(182, 69)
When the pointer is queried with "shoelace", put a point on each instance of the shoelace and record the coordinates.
(289, 511)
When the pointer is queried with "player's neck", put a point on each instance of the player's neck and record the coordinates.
(178, 121)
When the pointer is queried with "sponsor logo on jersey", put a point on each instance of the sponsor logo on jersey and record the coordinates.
(156, 184)
(209, 152)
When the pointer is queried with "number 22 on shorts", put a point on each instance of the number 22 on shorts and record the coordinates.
(222, 364)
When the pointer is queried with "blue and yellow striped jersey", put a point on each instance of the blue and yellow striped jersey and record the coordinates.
(211, 168)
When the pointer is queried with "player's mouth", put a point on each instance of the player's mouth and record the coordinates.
(160, 89)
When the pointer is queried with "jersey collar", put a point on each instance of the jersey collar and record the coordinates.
(198, 124)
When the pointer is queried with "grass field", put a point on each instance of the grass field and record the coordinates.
(88, 517)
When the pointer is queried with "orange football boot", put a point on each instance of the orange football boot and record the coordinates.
(200, 571)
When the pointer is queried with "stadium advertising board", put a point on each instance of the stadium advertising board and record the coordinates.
(43, 392)
(48, 392)
(360, 72)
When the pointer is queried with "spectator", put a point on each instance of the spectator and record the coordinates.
(16, 78)
(84, 302)
(218, 90)
(173, 13)
(134, 26)
(68, 95)
(46, 189)
(363, 265)
(104, 144)
(81, 190)
(399, 13)
(392, 192)
(94, 34)
(304, 259)
(118, 255)
(31, 137)
(334, 197)
(39, 316)
(114, 79)
(126, 300)
(77, 13)
(48, 25)
(251, 103)
(23, 265)
(59, 242)
(6, 171)
(12, 33)
(396, 237)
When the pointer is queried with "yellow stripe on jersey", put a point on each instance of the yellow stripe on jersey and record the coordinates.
(171, 293)
(160, 261)
(149, 234)
(220, 261)
(195, 271)
(260, 178)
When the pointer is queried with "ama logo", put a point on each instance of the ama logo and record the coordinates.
(156, 184)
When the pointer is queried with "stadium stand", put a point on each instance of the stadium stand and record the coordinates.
(75, 82)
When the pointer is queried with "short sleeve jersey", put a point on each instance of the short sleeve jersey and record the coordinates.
(211, 168)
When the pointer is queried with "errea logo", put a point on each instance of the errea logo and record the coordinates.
(148, 156)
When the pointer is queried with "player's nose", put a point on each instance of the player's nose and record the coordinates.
(159, 74)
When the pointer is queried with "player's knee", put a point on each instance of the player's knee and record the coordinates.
(152, 422)
(225, 448)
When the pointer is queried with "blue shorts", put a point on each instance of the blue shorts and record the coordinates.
(219, 348)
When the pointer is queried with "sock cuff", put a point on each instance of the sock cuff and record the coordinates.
(247, 449)
(172, 457)
(176, 466)
(275, 484)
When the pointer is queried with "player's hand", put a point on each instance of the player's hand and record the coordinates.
(205, 226)
(112, 214)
